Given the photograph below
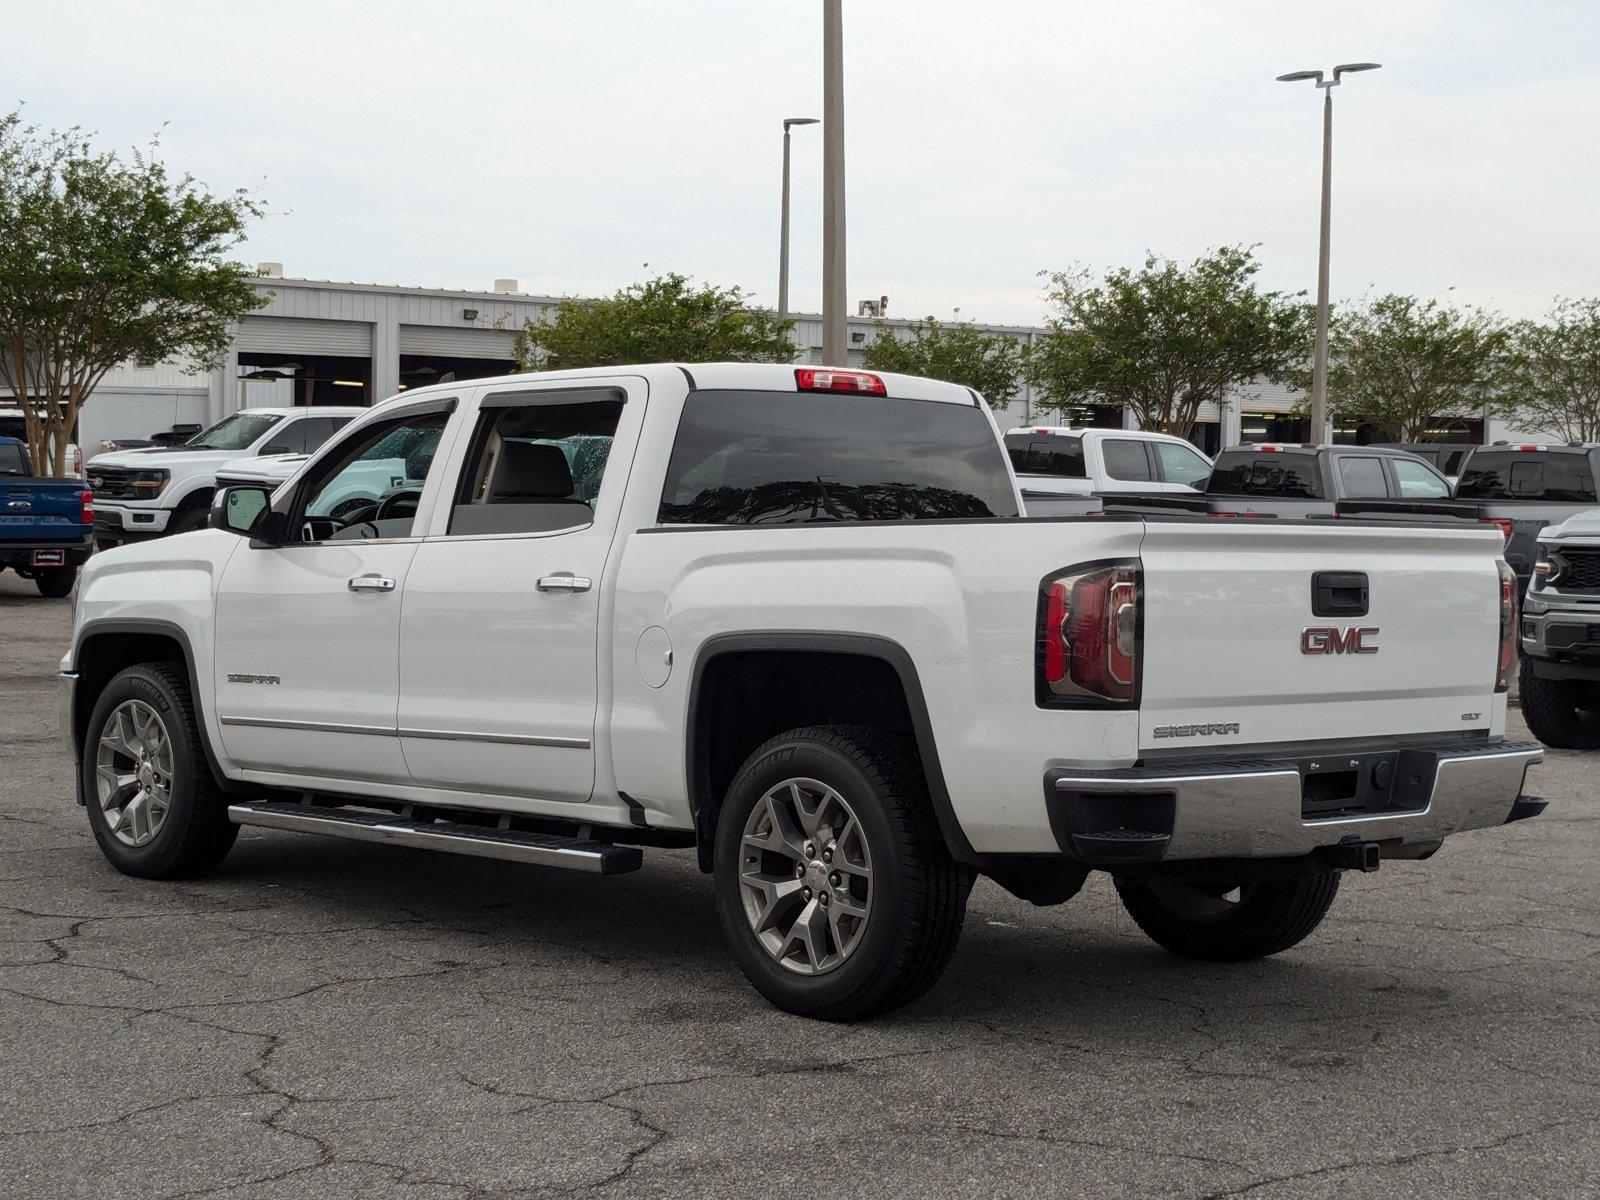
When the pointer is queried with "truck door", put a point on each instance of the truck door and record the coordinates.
(499, 634)
(308, 632)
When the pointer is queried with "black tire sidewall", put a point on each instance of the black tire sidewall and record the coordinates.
(161, 853)
(57, 577)
(862, 971)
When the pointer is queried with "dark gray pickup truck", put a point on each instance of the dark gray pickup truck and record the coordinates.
(45, 524)
(1527, 486)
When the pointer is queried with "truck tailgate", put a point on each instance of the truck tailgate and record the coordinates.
(33, 510)
(1234, 655)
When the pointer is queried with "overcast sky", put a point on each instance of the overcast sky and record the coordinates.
(568, 144)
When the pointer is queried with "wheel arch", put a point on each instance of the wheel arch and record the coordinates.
(106, 647)
(723, 726)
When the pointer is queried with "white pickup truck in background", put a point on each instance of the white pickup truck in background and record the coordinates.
(1066, 460)
(157, 490)
(791, 618)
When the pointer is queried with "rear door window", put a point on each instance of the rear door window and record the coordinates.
(536, 462)
(1255, 473)
(1527, 475)
(1126, 460)
(1361, 478)
(781, 458)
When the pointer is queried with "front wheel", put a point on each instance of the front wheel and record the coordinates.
(1225, 921)
(154, 806)
(833, 882)
(1551, 709)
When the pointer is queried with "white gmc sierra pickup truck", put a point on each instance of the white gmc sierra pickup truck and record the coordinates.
(790, 617)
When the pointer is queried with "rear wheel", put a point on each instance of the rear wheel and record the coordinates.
(154, 806)
(1224, 921)
(54, 582)
(833, 882)
(1551, 709)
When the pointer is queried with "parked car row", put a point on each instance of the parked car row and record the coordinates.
(790, 617)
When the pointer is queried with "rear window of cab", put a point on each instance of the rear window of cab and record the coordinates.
(782, 458)
(1256, 473)
(1527, 475)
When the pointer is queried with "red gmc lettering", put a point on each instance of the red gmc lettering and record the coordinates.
(1332, 640)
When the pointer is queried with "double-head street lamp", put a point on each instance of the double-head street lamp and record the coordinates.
(1319, 361)
(783, 235)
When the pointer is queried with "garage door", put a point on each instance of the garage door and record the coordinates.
(302, 335)
(447, 342)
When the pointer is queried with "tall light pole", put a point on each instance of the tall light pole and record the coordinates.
(783, 234)
(1319, 360)
(835, 349)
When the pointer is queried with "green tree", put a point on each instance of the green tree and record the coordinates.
(1402, 364)
(106, 260)
(1553, 377)
(1165, 338)
(663, 319)
(958, 352)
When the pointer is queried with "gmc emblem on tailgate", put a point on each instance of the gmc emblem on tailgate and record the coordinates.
(1329, 639)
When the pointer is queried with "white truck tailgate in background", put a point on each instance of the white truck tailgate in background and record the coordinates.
(1225, 607)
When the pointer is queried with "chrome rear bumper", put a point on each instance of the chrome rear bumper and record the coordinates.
(1266, 808)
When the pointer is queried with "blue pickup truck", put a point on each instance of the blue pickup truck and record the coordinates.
(45, 524)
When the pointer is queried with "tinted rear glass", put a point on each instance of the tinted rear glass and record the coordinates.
(11, 460)
(1252, 473)
(1527, 475)
(778, 458)
(1059, 456)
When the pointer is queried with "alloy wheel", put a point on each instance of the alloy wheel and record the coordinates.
(133, 772)
(805, 876)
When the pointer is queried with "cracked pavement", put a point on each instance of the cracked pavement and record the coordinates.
(325, 1018)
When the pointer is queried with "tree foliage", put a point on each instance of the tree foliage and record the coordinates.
(106, 260)
(1553, 376)
(958, 352)
(663, 319)
(1166, 338)
(1402, 363)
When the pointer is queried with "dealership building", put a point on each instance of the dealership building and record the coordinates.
(326, 342)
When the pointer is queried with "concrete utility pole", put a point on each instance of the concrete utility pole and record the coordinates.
(835, 346)
(1320, 428)
(783, 235)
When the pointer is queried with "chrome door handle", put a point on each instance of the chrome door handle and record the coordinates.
(564, 581)
(370, 583)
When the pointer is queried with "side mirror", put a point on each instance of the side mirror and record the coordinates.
(275, 448)
(239, 509)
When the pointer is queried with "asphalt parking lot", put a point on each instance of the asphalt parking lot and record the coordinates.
(332, 1019)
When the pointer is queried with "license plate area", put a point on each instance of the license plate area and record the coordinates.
(49, 558)
(1336, 786)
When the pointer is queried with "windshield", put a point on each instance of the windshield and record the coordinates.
(11, 460)
(238, 432)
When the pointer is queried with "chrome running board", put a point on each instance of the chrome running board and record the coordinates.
(482, 841)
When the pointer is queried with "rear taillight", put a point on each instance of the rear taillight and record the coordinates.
(1508, 628)
(86, 515)
(1090, 621)
(1503, 524)
(858, 383)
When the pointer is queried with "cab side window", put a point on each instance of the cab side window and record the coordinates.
(1179, 464)
(370, 488)
(1417, 482)
(536, 462)
(1126, 459)
(1362, 478)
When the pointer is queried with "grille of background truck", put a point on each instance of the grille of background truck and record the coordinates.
(111, 483)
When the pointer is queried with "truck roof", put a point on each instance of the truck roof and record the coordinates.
(1313, 448)
(1080, 430)
(321, 410)
(720, 376)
